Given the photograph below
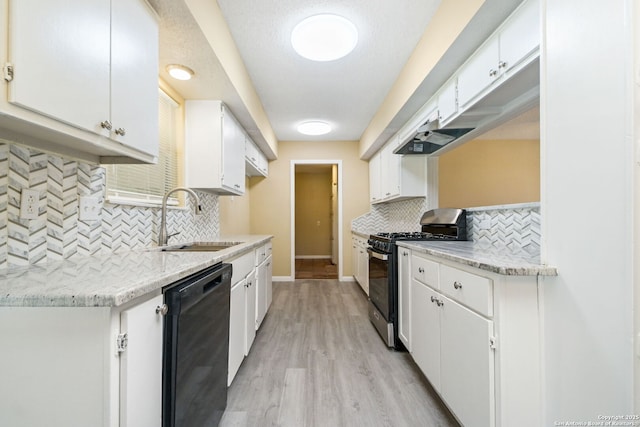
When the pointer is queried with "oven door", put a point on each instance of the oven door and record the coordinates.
(379, 281)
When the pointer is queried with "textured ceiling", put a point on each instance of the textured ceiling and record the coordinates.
(347, 92)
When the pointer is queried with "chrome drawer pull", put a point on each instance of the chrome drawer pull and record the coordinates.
(420, 270)
(457, 285)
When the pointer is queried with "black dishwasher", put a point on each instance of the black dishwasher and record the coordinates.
(196, 349)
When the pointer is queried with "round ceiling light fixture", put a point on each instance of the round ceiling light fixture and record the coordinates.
(180, 72)
(314, 127)
(324, 37)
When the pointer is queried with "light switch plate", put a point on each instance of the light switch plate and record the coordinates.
(90, 207)
(29, 200)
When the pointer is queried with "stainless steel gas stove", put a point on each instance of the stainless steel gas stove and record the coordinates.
(437, 224)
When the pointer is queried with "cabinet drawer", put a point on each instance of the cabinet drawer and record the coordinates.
(473, 291)
(242, 266)
(262, 253)
(424, 271)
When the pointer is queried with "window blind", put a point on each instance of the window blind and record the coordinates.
(147, 184)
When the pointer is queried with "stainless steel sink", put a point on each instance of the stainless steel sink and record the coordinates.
(200, 247)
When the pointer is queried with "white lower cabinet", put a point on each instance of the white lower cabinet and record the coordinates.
(263, 290)
(466, 364)
(236, 328)
(61, 366)
(425, 332)
(141, 365)
(251, 295)
(404, 297)
(360, 262)
(475, 336)
(250, 312)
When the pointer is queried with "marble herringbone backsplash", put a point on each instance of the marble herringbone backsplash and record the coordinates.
(57, 233)
(509, 225)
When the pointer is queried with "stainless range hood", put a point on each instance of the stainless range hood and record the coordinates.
(429, 138)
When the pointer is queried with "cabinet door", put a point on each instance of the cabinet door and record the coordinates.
(447, 103)
(467, 364)
(141, 365)
(391, 168)
(261, 291)
(404, 297)
(425, 331)
(269, 282)
(520, 36)
(250, 312)
(134, 76)
(237, 318)
(355, 258)
(363, 267)
(233, 155)
(374, 178)
(479, 73)
(60, 53)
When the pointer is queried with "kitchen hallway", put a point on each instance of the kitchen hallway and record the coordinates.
(317, 361)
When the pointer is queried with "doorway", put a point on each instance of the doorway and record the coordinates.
(316, 232)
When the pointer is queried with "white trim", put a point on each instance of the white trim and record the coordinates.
(282, 279)
(313, 256)
(292, 180)
(347, 279)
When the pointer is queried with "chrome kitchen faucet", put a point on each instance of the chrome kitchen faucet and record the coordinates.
(163, 237)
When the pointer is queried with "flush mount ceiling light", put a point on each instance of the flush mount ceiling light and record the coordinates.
(180, 72)
(324, 37)
(314, 127)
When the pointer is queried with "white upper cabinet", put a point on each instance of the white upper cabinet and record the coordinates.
(134, 63)
(81, 77)
(510, 47)
(447, 101)
(395, 177)
(214, 149)
(257, 163)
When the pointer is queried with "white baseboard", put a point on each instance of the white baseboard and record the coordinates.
(347, 279)
(313, 256)
(283, 279)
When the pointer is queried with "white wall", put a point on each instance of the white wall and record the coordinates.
(586, 115)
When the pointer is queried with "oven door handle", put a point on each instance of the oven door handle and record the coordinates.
(377, 255)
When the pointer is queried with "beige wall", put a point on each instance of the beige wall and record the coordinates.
(235, 213)
(270, 198)
(485, 173)
(313, 214)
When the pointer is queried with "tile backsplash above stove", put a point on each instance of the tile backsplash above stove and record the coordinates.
(516, 226)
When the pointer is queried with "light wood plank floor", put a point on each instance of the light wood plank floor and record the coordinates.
(317, 361)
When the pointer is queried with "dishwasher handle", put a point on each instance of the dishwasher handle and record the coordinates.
(189, 291)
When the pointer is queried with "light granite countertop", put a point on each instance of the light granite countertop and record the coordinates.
(110, 280)
(501, 260)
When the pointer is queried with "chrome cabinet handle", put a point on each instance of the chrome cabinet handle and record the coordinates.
(457, 285)
(420, 270)
(120, 131)
(405, 253)
(502, 64)
(162, 309)
(106, 125)
(438, 302)
(493, 73)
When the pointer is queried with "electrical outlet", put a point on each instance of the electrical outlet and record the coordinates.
(29, 200)
(89, 208)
